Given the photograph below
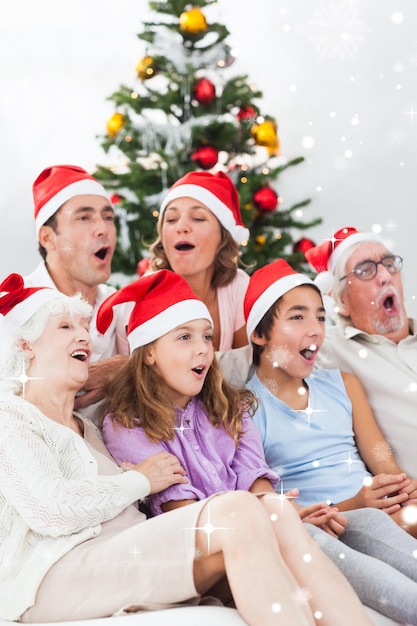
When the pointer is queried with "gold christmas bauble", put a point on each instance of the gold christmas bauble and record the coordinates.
(145, 68)
(193, 21)
(265, 134)
(115, 123)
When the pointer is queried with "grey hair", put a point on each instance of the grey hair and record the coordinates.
(13, 362)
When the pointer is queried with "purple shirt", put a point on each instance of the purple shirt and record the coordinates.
(207, 453)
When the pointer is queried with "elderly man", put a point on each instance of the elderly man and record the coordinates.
(372, 335)
(77, 236)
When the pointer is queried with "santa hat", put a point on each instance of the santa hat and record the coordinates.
(163, 300)
(324, 257)
(218, 193)
(57, 184)
(266, 285)
(18, 303)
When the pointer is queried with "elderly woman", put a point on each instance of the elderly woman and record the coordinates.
(68, 520)
(200, 231)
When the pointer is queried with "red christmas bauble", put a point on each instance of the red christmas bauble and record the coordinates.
(116, 198)
(204, 91)
(205, 157)
(303, 244)
(246, 113)
(266, 199)
(143, 266)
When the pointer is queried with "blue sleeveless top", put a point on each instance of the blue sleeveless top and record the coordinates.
(314, 450)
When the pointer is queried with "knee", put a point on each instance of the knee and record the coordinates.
(242, 506)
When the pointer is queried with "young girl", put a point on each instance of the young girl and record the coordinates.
(171, 397)
(305, 421)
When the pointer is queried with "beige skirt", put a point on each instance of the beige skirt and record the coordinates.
(134, 562)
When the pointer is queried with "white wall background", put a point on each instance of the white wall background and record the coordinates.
(340, 78)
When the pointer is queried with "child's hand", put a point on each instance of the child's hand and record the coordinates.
(162, 470)
(411, 491)
(384, 491)
(328, 518)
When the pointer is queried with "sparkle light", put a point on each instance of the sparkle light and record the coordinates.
(23, 378)
(397, 18)
(307, 142)
(411, 113)
(349, 461)
(409, 514)
(209, 528)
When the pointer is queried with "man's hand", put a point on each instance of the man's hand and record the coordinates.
(99, 373)
(162, 470)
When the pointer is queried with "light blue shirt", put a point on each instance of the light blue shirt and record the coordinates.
(314, 451)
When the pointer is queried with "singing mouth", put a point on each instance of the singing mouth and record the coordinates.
(102, 253)
(80, 355)
(388, 303)
(308, 353)
(184, 247)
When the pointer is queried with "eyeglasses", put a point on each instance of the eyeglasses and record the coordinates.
(368, 269)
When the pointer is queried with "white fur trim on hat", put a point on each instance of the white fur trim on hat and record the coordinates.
(351, 240)
(23, 311)
(271, 295)
(175, 315)
(212, 202)
(324, 281)
(79, 188)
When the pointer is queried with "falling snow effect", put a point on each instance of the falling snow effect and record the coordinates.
(336, 31)
(382, 451)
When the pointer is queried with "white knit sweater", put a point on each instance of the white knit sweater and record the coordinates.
(51, 499)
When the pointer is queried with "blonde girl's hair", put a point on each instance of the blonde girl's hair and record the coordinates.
(138, 396)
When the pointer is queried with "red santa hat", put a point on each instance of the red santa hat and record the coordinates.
(163, 300)
(324, 257)
(266, 285)
(18, 303)
(57, 184)
(218, 193)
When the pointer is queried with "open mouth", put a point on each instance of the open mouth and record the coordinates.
(184, 247)
(388, 303)
(198, 370)
(80, 355)
(102, 253)
(308, 353)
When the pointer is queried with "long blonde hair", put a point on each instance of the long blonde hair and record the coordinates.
(139, 396)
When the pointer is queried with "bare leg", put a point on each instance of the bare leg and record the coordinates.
(263, 588)
(331, 597)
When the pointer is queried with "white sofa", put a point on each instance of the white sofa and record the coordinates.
(185, 616)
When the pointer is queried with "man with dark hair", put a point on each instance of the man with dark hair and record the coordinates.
(77, 237)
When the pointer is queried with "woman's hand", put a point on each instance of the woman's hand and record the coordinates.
(162, 470)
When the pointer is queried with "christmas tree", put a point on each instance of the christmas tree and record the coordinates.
(186, 112)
